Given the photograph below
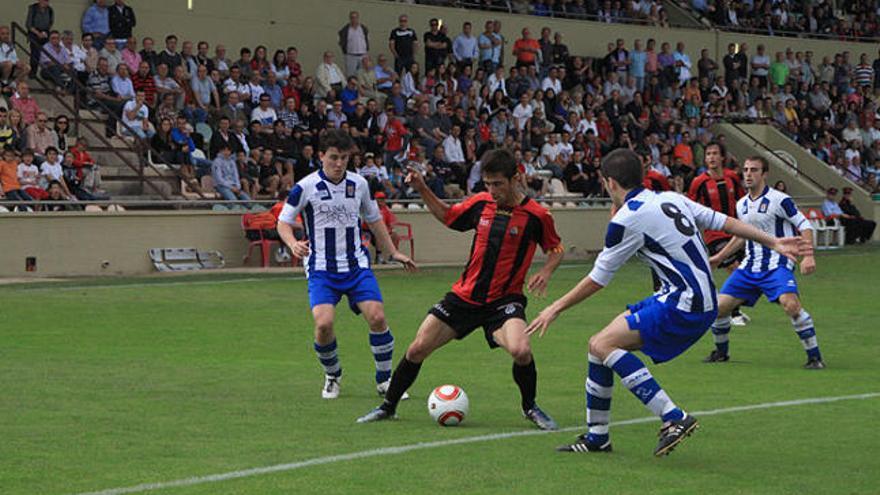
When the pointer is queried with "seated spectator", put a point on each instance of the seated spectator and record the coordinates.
(11, 186)
(165, 84)
(29, 176)
(113, 56)
(224, 171)
(52, 172)
(328, 77)
(55, 62)
(87, 171)
(182, 135)
(25, 104)
(122, 85)
(10, 65)
(270, 171)
(858, 228)
(41, 137)
(223, 135)
(142, 80)
(130, 55)
(264, 113)
(135, 116)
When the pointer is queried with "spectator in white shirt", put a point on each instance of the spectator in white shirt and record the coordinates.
(522, 112)
(264, 113)
(552, 81)
(452, 147)
(136, 115)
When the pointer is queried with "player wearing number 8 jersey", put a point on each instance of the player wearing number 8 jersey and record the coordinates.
(663, 229)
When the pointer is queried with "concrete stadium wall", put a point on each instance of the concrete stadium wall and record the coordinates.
(311, 25)
(79, 244)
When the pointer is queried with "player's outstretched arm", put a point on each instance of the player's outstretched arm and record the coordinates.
(538, 282)
(735, 244)
(383, 239)
(437, 207)
(300, 249)
(790, 247)
(808, 262)
(584, 289)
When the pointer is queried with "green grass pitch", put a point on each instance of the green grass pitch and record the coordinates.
(105, 387)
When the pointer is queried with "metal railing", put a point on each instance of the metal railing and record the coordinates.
(80, 89)
(766, 31)
(792, 166)
(178, 204)
(508, 9)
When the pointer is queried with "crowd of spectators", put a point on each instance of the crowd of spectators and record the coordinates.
(252, 120)
(852, 19)
(649, 12)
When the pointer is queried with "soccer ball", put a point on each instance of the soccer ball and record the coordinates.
(448, 405)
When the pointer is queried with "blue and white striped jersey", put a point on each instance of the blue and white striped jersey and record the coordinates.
(331, 217)
(775, 213)
(663, 229)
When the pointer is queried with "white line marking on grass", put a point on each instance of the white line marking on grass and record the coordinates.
(277, 468)
(160, 284)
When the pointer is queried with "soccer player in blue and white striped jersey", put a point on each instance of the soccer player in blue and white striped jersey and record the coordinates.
(663, 229)
(764, 271)
(332, 201)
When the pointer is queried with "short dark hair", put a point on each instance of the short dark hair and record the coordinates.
(170, 37)
(765, 165)
(335, 138)
(625, 167)
(720, 146)
(499, 161)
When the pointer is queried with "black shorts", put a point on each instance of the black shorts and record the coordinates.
(464, 317)
(717, 245)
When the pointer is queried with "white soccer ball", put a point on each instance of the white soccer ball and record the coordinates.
(448, 405)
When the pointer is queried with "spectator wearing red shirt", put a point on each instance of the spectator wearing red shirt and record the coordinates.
(526, 49)
(26, 104)
(395, 132)
(142, 80)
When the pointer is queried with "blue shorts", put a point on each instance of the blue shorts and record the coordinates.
(328, 288)
(749, 286)
(666, 331)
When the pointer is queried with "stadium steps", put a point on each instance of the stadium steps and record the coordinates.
(119, 180)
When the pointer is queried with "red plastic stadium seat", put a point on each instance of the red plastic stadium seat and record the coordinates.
(253, 225)
(408, 236)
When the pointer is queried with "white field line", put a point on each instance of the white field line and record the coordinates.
(161, 283)
(317, 461)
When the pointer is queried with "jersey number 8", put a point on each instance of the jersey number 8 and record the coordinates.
(682, 223)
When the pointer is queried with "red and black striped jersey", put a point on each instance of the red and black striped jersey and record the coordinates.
(503, 245)
(655, 181)
(719, 194)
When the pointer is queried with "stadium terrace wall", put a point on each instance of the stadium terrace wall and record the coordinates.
(104, 244)
(311, 26)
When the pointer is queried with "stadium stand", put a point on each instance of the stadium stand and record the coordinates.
(561, 111)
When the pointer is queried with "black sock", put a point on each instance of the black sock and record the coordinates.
(736, 312)
(527, 379)
(402, 378)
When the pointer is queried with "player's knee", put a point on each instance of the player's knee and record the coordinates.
(418, 351)
(323, 328)
(377, 322)
(791, 306)
(598, 346)
(521, 353)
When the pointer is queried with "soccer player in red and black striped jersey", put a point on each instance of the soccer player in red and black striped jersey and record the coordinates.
(719, 189)
(508, 227)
